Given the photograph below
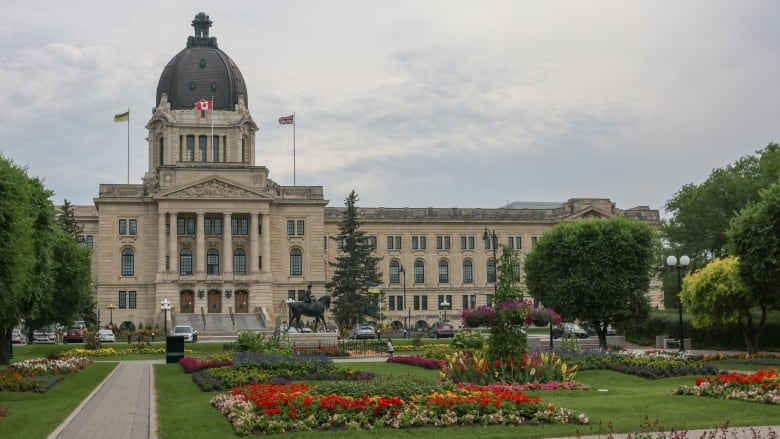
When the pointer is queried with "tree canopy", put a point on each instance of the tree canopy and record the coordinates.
(44, 274)
(596, 271)
(356, 269)
(700, 214)
(715, 295)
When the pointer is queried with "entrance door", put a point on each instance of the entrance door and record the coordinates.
(215, 302)
(242, 302)
(187, 302)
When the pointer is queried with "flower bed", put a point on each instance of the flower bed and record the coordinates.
(762, 386)
(649, 364)
(473, 367)
(268, 408)
(40, 374)
(416, 360)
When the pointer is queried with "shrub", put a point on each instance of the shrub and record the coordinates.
(468, 339)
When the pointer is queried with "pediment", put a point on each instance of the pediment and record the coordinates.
(213, 188)
(589, 213)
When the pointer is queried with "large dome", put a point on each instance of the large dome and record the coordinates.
(202, 71)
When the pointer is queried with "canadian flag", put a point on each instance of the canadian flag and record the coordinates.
(204, 105)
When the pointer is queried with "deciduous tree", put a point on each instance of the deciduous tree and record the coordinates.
(597, 271)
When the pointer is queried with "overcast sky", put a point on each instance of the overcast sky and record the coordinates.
(411, 103)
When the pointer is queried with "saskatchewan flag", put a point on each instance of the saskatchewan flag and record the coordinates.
(122, 117)
(374, 290)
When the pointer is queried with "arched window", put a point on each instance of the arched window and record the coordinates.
(419, 272)
(444, 272)
(212, 261)
(239, 261)
(395, 270)
(468, 272)
(296, 262)
(185, 261)
(128, 262)
(491, 271)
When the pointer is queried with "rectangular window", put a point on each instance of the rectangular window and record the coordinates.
(190, 154)
(447, 243)
(390, 242)
(167, 229)
(207, 226)
(234, 226)
(244, 226)
(339, 242)
(167, 263)
(414, 243)
(533, 241)
(179, 226)
(191, 225)
(391, 303)
(301, 227)
(439, 243)
(471, 243)
(518, 242)
(218, 226)
(291, 294)
(465, 301)
(423, 243)
(133, 227)
(489, 299)
(122, 299)
(510, 242)
(123, 227)
(398, 243)
(290, 227)
(325, 242)
(463, 243)
(425, 303)
(215, 149)
(399, 302)
(202, 148)
(416, 303)
(131, 300)
(89, 241)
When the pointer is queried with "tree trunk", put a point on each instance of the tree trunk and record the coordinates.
(5, 346)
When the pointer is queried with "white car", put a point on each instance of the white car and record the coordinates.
(17, 336)
(188, 332)
(106, 335)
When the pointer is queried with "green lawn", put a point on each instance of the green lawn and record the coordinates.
(616, 402)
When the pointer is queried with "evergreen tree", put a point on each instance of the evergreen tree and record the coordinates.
(356, 269)
(67, 220)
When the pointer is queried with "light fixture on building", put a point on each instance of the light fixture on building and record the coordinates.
(228, 293)
(200, 294)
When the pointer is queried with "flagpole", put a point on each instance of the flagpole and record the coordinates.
(128, 145)
(293, 148)
(212, 126)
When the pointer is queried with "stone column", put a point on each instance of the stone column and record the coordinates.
(200, 246)
(266, 244)
(161, 244)
(173, 243)
(227, 246)
(254, 243)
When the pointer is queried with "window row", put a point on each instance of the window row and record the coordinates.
(420, 303)
(127, 300)
(212, 225)
(202, 148)
(186, 262)
(444, 242)
(396, 269)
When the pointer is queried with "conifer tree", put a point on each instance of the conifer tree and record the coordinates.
(356, 269)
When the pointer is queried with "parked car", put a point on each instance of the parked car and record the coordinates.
(570, 329)
(441, 330)
(17, 336)
(106, 336)
(73, 335)
(362, 332)
(592, 331)
(188, 332)
(43, 337)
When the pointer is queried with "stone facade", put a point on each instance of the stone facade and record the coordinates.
(209, 231)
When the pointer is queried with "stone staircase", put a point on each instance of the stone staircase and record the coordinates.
(219, 326)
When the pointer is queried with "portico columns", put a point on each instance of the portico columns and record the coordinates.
(173, 243)
(227, 245)
(266, 244)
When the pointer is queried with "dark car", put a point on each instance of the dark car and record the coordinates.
(441, 330)
(74, 335)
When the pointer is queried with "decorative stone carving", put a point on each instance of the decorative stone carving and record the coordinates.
(213, 189)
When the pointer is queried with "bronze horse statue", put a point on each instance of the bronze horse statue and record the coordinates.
(316, 309)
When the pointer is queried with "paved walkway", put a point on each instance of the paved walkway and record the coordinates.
(123, 406)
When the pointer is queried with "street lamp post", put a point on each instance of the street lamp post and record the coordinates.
(491, 235)
(444, 305)
(406, 305)
(165, 305)
(111, 307)
(671, 261)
